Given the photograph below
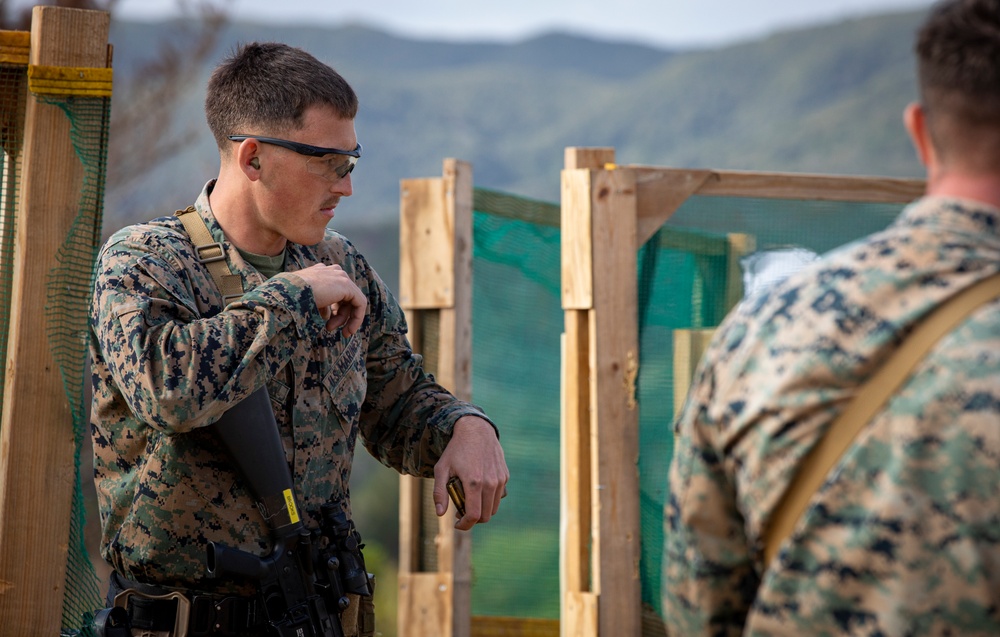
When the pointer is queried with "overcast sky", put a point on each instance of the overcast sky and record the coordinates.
(659, 22)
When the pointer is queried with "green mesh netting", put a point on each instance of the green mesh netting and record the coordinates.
(68, 291)
(684, 282)
(517, 318)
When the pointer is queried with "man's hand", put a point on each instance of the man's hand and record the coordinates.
(339, 300)
(475, 456)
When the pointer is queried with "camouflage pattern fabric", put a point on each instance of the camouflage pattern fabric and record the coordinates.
(168, 360)
(904, 538)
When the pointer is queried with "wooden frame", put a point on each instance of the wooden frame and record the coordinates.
(608, 213)
(436, 294)
(37, 445)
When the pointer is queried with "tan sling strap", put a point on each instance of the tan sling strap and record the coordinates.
(818, 463)
(212, 253)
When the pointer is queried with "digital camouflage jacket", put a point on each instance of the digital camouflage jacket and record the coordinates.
(168, 360)
(904, 539)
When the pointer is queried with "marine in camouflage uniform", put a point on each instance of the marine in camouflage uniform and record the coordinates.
(167, 361)
(904, 537)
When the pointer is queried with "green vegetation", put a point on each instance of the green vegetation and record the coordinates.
(826, 99)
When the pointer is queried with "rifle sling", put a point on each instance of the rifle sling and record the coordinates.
(211, 253)
(816, 467)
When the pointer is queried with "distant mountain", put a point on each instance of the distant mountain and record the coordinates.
(825, 99)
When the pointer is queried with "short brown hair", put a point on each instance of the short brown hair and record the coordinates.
(958, 68)
(265, 87)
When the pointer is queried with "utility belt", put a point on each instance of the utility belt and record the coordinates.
(162, 611)
(154, 611)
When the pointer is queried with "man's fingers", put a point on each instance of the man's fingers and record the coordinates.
(440, 497)
(339, 300)
(357, 318)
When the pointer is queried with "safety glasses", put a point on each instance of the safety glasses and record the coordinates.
(325, 162)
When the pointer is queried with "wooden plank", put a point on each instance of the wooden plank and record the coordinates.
(514, 627)
(410, 487)
(458, 322)
(576, 157)
(436, 272)
(37, 448)
(424, 604)
(652, 623)
(455, 547)
(740, 245)
(689, 346)
(427, 258)
(409, 524)
(776, 185)
(659, 194)
(614, 347)
(574, 462)
(577, 264)
(455, 555)
(576, 249)
(580, 617)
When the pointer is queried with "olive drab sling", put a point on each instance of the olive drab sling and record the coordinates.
(818, 464)
(212, 253)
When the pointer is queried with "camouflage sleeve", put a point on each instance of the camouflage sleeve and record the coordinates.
(175, 369)
(407, 418)
(709, 580)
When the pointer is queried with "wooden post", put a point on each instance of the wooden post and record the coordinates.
(689, 347)
(599, 230)
(436, 277)
(609, 212)
(740, 245)
(37, 472)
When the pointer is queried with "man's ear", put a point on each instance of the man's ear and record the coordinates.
(915, 120)
(247, 159)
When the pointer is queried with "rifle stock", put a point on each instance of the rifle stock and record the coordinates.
(286, 576)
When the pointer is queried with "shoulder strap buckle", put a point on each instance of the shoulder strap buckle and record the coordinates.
(204, 257)
(212, 254)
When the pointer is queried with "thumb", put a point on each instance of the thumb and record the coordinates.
(440, 491)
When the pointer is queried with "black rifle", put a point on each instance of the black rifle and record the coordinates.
(305, 579)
